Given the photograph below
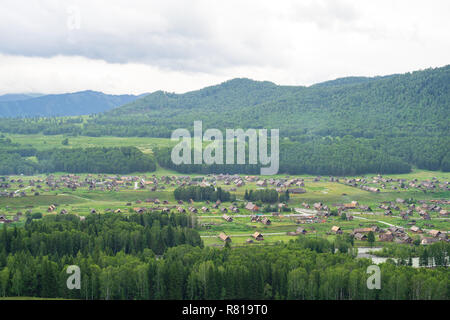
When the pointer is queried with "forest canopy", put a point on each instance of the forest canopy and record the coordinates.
(76, 160)
(161, 256)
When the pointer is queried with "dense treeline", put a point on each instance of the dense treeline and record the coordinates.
(338, 156)
(33, 259)
(163, 157)
(46, 126)
(13, 160)
(13, 163)
(263, 195)
(323, 156)
(60, 235)
(198, 193)
(96, 160)
(435, 254)
(301, 269)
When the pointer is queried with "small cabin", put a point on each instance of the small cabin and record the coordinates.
(336, 230)
(224, 237)
(227, 218)
(258, 236)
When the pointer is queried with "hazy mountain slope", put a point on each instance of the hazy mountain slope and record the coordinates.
(78, 103)
(18, 96)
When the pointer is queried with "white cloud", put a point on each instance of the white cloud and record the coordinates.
(140, 46)
(69, 74)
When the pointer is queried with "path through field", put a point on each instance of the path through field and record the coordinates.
(17, 191)
(248, 235)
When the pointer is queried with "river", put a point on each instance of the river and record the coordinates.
(363, 252)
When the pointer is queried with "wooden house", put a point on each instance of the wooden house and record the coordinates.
(224, 237)
(360, 236)
(336, 230)
(227, 218)
(251, 206)
(258, 236)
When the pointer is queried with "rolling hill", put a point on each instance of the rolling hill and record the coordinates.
(354, 122)
(415, 103)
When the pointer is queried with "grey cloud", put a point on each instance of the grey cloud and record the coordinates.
(177, 38)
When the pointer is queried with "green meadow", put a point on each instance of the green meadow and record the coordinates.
(44, 142)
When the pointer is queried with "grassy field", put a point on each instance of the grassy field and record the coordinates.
(43, 142)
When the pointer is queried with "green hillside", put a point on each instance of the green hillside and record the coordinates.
(410, 104)
(351, 125)
(389, 123)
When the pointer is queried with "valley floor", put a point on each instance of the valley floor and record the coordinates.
(125, 198)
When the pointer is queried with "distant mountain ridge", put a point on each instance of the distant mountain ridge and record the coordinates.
(19, 96)
(66, 104)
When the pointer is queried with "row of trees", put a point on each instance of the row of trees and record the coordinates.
(263, 195)
(198, 193)
(96, 160)
(13, 159)
(316, 155)
(324, 156)
(436, 254)
(66, 235)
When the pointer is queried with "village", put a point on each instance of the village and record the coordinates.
(395, 210)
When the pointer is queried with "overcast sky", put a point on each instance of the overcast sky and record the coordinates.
(128, 46)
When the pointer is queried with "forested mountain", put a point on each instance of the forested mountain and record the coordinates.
(409, 104)
(67, 104)
(346, 126)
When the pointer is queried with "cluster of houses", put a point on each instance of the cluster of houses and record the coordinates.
(101, 182)
(281, 184)
(264, 220)
(433, 236)
(422, 208)
(105, 182)
(394, 234)
(375, 184)
(314, 213)
(404, 210)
